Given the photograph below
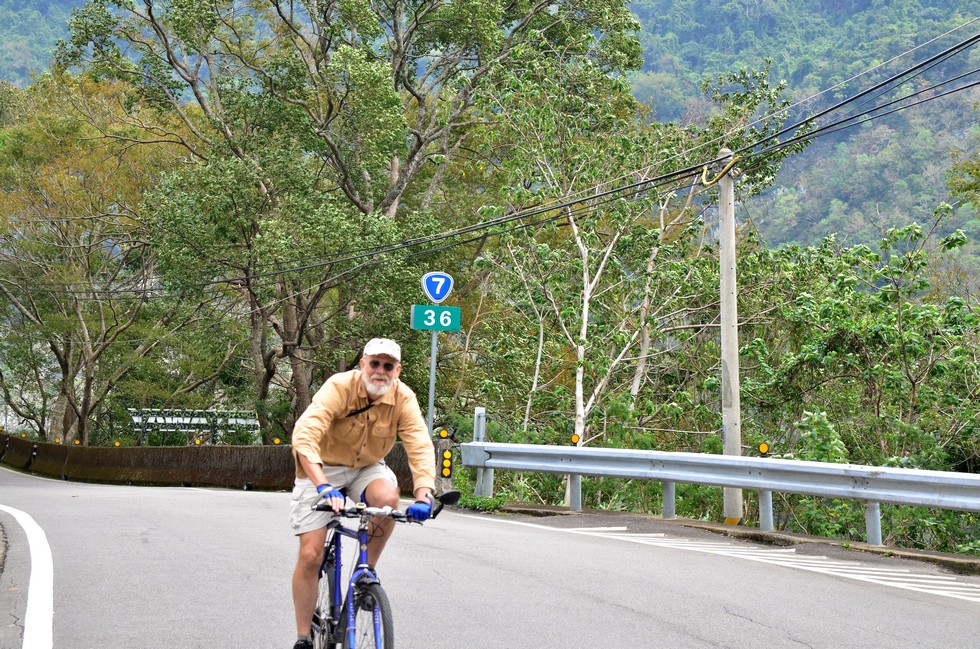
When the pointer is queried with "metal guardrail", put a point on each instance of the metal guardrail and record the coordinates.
(873, 485)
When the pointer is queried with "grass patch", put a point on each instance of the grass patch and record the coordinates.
(481, 503)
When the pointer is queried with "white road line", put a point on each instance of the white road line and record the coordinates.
(39, 619)
(943, 585)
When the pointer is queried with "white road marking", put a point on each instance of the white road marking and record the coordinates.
(39, 619)
(944, 585)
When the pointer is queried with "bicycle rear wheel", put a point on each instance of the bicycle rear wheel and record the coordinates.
(373, 627)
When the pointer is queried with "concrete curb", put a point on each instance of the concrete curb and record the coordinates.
(959, 563)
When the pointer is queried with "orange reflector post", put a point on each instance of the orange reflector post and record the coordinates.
(575, 438)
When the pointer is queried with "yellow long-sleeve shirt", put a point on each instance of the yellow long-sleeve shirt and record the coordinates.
(326, 434)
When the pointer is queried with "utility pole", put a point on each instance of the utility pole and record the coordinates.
(731, 406)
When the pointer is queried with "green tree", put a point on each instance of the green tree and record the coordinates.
(77, 271)
(368, 104)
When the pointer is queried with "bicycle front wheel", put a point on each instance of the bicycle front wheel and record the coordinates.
(373, 628)
(322, 627)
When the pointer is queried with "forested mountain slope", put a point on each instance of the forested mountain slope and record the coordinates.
(29, 30)
(883, 173)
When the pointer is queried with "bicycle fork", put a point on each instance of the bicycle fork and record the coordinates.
(327, 621)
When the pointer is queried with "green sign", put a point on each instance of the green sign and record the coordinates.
(436, 318)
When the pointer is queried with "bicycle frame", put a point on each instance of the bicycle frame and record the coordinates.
(336, 531)
(330, 620)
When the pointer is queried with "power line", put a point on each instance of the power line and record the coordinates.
(598, 198)
(948, 53)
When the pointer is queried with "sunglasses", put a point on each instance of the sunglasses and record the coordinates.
(375, 364)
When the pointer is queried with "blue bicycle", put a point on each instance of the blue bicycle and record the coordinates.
(359, 615)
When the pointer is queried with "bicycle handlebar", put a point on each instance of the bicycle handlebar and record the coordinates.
(359, 510)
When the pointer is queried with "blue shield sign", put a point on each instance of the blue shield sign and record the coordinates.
(437, 285)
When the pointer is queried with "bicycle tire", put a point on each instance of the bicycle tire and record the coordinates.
(321, 638)
(368, 600)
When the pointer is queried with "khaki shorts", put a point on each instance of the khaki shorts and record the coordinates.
(303, 518)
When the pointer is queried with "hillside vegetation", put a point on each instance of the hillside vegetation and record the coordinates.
(29, 30)
(885, 173)
(228, 234)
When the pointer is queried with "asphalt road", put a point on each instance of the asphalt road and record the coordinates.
(175, 568)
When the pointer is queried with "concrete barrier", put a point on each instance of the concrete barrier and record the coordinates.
(258, 467)
(250, 467)
(15, 451)
(51, 460)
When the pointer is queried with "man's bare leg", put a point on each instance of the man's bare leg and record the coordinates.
(305, 582)
(380, 493)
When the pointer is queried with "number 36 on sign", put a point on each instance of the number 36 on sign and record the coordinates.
(435, 318)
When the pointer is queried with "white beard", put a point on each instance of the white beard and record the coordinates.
(374, 390)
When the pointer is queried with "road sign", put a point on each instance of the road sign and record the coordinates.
(435, 318)
(437, 286)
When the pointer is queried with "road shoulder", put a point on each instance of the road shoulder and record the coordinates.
(15, 575)
(957, 563)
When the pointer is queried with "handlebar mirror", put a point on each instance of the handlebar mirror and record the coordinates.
(448, 498)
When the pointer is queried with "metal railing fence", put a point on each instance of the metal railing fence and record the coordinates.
(872, 485)
(212, 426)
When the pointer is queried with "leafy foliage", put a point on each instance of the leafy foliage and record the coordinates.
(259, 166)
(29, 31)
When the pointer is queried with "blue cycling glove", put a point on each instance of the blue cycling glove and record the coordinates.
(420, 510)
(328, 492)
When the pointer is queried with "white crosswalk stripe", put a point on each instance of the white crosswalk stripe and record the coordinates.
(944, 585)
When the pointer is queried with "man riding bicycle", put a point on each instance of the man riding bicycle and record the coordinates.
(340, 442)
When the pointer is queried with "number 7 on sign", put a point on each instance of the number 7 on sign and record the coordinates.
(437, 286)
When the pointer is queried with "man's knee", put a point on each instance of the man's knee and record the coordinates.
(310, 552)
(381, 493)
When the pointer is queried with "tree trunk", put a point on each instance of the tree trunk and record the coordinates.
(300, 379)
(641, 365)
(263, 367)
(537, 371)
(57, 428)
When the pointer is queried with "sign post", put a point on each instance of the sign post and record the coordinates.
(436, 286)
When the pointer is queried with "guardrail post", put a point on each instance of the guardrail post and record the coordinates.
(484, 477)
(765, 510)
(670, 500)
(575, 493)
(872, 522)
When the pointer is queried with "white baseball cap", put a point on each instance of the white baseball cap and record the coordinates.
(383, 347)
